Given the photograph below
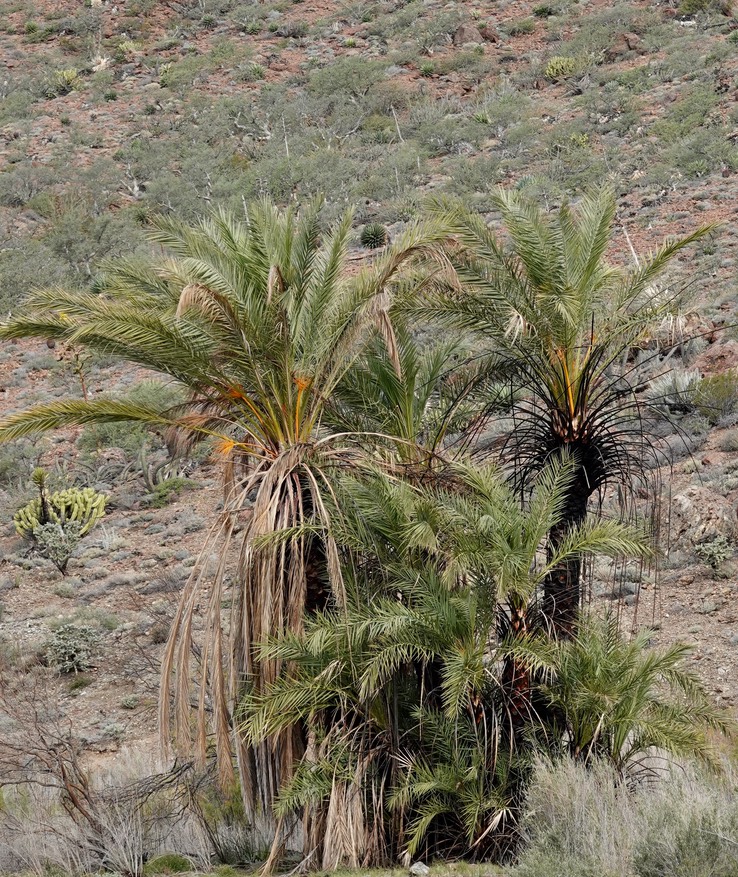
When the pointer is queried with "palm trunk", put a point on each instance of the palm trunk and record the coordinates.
(266, 767)
(516, 677)
(562, 587)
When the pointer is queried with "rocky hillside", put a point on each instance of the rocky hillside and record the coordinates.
(110, 112)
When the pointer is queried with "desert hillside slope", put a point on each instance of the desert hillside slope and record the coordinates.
(111, 112)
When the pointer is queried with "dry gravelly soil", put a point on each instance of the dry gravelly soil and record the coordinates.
(128, 574)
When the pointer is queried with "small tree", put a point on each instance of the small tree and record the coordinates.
(562, 318)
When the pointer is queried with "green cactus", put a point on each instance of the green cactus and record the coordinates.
(62, 82)
(560, 67)
(84, 506)
(374, 235)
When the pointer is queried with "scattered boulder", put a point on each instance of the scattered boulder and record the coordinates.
(718, 357)
(488, 33)
(698, 514)
(466, 33)
(623, 45)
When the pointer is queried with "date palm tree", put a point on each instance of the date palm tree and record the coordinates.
(407, 688)
(421, 404)
(258, 320)
(563, 318)
(619, 700)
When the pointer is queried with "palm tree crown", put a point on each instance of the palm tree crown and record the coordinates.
(562, 319)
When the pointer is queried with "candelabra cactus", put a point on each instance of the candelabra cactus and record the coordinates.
(83, 506)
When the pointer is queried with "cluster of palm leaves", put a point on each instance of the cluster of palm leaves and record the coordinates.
(404, 623)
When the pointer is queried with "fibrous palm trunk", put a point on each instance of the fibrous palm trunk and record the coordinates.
(562, 589)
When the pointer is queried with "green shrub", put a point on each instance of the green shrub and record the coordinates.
(164, 492)
(374, 235)
(72, 647)
(714, 552)
(717, 396)
(64, 590)
(695, 7)
(168, 863)
(520, 27)
(79, 683)
(126, 436)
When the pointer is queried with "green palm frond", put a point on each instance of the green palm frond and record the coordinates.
(622, 698)
(55, 415)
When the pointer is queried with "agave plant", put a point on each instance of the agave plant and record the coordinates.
(258, 320)
(564, 319)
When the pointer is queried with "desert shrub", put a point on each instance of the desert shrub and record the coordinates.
(696, 7)
(19, 185)
(691, 111)
(675, 391)
(294, 30)
(714, 552)
(221, 814)
(57, 541)
(131, 437)
(168, 490)
(17, 461)
(716, 396)
(693, 834)
(433, 31)
(582, 822)
(124, 815)
(560, 67)
(729, 441)
(128, 437)
(352, 76)
(701, 151)
(72, 648)
(520, 27)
